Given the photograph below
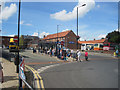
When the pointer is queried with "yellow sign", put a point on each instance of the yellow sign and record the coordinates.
(11, 40)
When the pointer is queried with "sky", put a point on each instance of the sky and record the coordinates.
(96, 19)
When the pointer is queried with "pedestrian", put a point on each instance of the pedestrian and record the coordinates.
(71, 53)
(38, 49)
(78, 55)
(117, 53)
(51, 52)
(65, 54)
(86, 55)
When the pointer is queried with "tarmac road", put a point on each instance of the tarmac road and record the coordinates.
(92, 74)
(99, 72)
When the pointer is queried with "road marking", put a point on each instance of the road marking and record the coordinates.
(46, 67)
(46, 62)
(36, 74)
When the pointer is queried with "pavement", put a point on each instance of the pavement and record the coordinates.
(10, 76)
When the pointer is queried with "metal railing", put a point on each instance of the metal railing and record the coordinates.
(27, 84)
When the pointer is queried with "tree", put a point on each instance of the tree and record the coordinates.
(21, 42)
(114, 37)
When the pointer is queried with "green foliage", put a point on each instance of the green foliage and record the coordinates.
(114, 37)
(21, 42)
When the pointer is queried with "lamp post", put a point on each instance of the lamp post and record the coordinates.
(20, 80)
(57, 39)
(77, 23)
(118, 16)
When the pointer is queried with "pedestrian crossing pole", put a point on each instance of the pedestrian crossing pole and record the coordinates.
(20, 80)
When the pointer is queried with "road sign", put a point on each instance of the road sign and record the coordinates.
(22, 68)
(15, 39)
(62, 42)
(71, 42)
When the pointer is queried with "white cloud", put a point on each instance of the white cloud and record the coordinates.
(116, 30)
(8, 11)
(98, 6)
(28, 24)
(101, 36)
(65, 30)
(41, 34)
(35, 34)
(21, 22)
(64, 16)
(81, 39)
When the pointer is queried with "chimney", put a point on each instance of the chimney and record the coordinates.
(85, 40)
(94, 39)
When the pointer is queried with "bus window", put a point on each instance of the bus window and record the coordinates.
(96, 45)
(83, 44)
(101, 46)
(106, 44)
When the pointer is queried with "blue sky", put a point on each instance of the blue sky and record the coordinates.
(96, 23)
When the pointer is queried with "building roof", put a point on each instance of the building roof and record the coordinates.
(92, 41)
(61, 34)
(6, 36)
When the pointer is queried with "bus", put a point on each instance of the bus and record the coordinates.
(83, 47)
(13, 47)
(109, 46)
(98, 46)
(86, 47)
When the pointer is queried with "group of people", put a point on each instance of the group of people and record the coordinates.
(62, 53)
(79, 54)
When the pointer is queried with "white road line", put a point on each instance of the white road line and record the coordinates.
(46, 67)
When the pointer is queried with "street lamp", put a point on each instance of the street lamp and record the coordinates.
(118, 16)
(57, 39)
(77, 23)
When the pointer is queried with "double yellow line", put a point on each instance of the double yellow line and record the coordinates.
(37, 76)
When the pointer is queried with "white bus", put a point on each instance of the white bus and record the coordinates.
(86, 47)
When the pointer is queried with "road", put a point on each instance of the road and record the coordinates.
(98, 72)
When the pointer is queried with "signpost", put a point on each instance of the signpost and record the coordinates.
(62, 42)
(21, 72)
(15, 39)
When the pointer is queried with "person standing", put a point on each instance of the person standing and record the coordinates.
(78, 55)
(86, 55)
(71, 53)
(117, 53)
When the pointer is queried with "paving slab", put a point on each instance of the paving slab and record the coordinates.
(11, 79)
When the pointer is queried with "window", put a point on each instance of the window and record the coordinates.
(96, 45)
(101, 46)
(106, 44)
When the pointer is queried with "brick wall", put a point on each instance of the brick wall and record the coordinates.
(70, 41)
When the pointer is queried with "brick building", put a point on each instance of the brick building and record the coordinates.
(30, 41)
(68, 37)
(4, 40)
